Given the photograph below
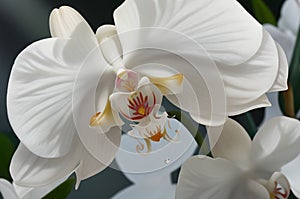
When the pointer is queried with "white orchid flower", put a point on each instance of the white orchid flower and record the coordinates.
(244, 169)
(12, 191)
(212, 53)
(285, 34)
(288, 25)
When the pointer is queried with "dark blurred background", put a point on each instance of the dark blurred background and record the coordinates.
(23, 22)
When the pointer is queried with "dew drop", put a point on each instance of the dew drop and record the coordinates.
(167, 161)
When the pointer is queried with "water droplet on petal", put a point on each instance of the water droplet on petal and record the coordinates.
(167, 161)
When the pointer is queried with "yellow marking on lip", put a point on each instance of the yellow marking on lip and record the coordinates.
(141, 110)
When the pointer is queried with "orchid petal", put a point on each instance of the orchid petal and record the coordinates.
(241, 81)
(227, 32)
(168, 85)
(102, 149)
(290, 16)
(40, 89)
(292, 172)
(38, 192)
(275, 144)
(202, 177)
(282, 76)
(110, 45)
(234, 143)
(102, 146)
(29, 170)
(39, 98)
(13, 191)
(93, 85)
(249, 190)
(285, 38)
(7, 190)
(83, 92)
(260, 102)
(64, 21)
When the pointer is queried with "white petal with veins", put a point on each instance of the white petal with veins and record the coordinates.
(110, 45)
(204, 21)
(269, 147)
(28, 169)
(7, 190)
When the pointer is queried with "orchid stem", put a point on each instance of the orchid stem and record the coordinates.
(289, 102)
(290, 96)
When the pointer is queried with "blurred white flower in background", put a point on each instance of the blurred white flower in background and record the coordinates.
(285, 34)
(264, 168)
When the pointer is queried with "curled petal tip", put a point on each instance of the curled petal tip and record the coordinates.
(77, 185)
(105, 32)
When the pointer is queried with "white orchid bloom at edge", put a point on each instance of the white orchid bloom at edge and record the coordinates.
(182, 49)
(288, 25)
(285, 34)
(244, 169)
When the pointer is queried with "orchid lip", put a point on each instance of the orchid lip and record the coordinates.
(155, 133)
(139, 103)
